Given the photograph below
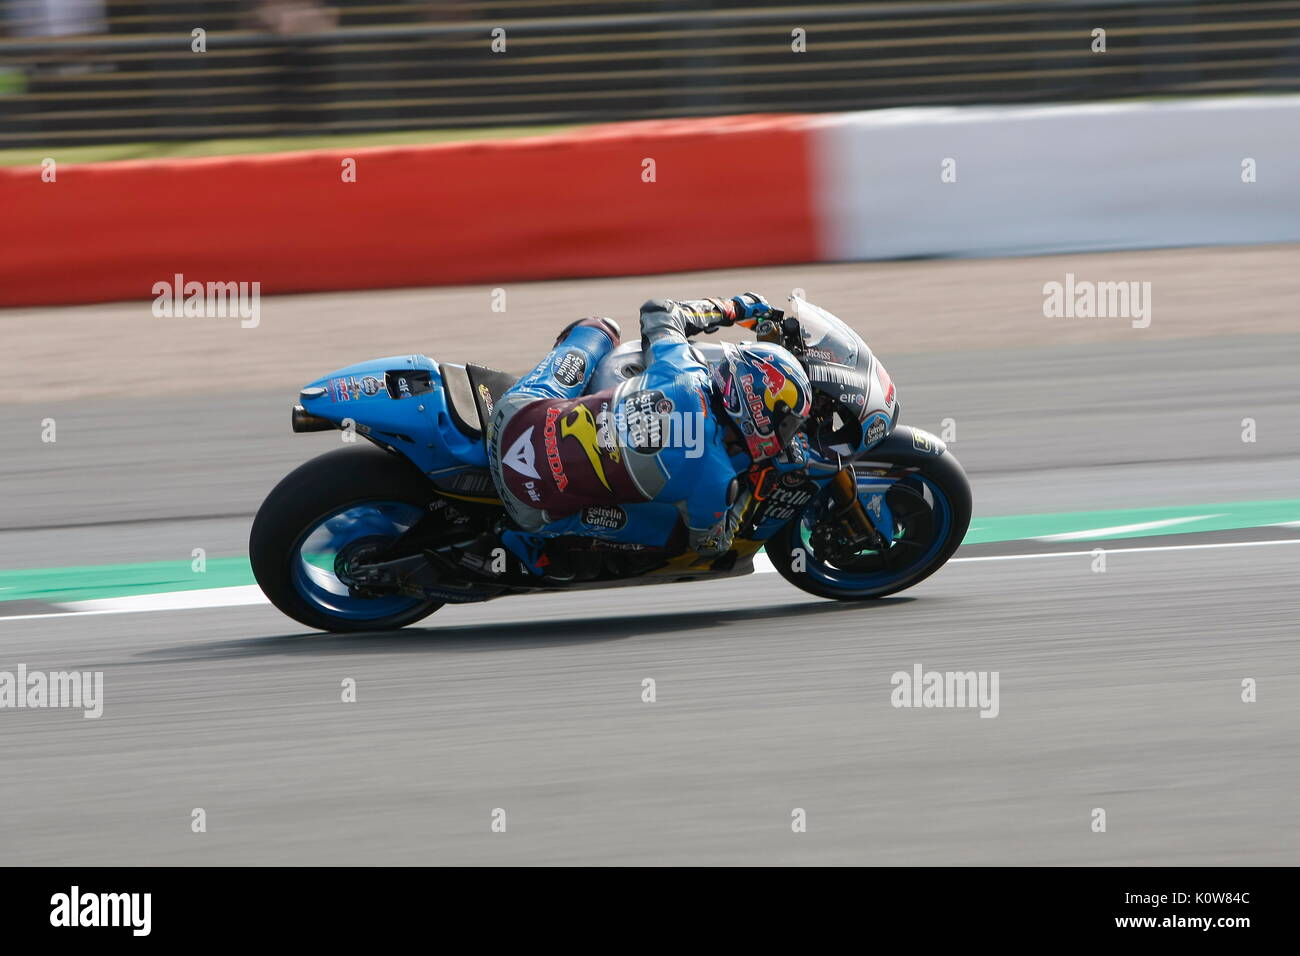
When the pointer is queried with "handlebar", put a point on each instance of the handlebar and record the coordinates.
(781, 329)
(776, 315)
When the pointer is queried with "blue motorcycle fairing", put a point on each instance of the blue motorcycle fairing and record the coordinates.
(649, 523)
(400, 402)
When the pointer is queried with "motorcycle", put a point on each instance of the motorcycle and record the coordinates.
(377, 534)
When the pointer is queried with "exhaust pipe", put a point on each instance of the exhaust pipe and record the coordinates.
(306, 422)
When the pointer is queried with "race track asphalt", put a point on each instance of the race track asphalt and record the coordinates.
(1118, 690)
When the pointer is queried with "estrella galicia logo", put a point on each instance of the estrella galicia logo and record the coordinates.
(571, 368)
(605, 517)
(786, 500)
(876, 430)
(642, 420)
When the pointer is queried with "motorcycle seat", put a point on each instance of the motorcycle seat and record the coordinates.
(472, 394)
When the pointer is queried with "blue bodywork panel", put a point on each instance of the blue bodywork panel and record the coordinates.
(399, 401)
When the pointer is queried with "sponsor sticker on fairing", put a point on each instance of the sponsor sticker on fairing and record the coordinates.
(876, 429)
(783, 502)
(605, 517)
(404, 383)
(345, 389)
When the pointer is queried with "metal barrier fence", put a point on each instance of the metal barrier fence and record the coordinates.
(368, 67)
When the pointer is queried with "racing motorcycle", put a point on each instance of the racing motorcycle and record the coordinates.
(374, 535)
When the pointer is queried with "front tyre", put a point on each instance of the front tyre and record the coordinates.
(929, 502)
(326, 512)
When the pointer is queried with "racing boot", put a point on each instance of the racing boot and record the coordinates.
(550, 563)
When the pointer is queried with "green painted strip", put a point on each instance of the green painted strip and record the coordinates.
(1214, 517)
(58, 585)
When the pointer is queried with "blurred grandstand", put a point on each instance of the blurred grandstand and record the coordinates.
(106, 71)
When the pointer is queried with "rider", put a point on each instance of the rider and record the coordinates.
(555, 451)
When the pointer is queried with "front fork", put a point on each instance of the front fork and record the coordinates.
(851, 527)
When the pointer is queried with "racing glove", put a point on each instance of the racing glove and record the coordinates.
(664, 317)
(708, 315)
(749, 305)
(726, 312)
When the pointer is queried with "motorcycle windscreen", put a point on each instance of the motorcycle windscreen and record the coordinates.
(850, 409)
(829, 339)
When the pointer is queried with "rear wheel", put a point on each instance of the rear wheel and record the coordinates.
(322, 517)
(929, 509)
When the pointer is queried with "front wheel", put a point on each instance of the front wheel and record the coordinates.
(322, 516)
(929, 509)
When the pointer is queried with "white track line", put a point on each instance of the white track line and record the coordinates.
(250, 594)
(53, 614)
(174, 600)
(167, 601)
(1121, 529)
(1167, 547)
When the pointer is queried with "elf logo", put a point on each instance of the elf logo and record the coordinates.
(76, 909)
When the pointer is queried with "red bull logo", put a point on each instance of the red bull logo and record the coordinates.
(755, 402)
(779, 387)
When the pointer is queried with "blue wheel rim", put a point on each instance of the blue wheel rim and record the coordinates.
(314, 558)
(919, 489)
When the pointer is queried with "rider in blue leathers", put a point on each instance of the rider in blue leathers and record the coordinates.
(679, 432)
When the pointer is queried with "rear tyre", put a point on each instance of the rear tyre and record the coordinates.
(931, 507)
(322, 514)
